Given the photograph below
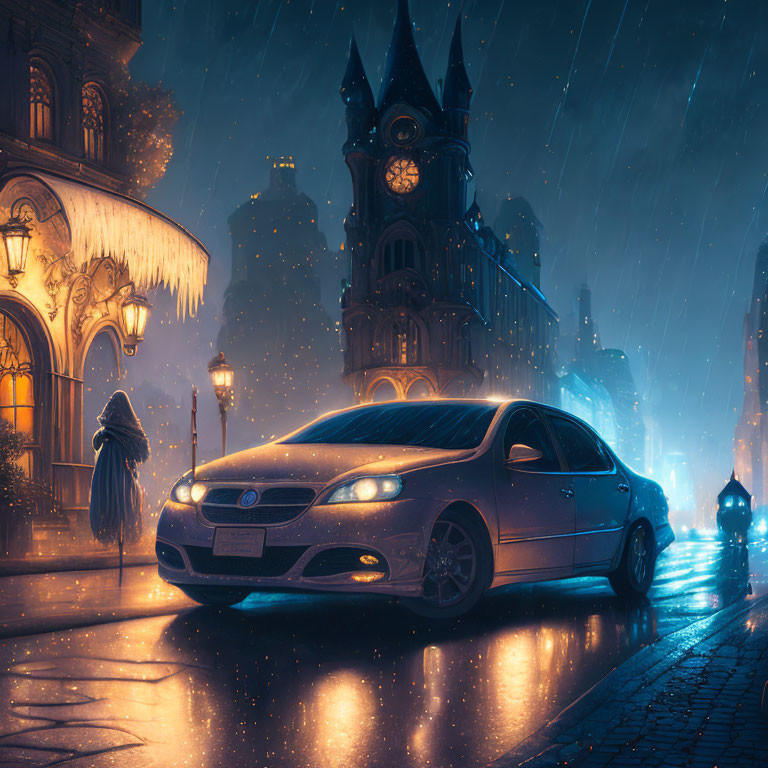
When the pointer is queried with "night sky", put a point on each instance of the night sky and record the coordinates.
(636, 129)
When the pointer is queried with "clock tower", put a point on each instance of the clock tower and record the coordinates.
(420, 313)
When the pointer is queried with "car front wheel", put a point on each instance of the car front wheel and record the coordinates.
(634, 576)
(457, 568)
(222, 596)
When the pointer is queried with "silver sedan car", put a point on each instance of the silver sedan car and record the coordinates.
(433, 501)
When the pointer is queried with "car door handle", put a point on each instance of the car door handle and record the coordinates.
(623, 487)
(567, 492)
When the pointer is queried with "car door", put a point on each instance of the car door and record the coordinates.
(537, 513)
(601, 492)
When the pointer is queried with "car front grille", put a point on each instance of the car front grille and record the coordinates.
(274, 506)
(274, 561)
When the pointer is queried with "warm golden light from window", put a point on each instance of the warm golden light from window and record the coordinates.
(40, 104)
(93, 122)
(17, 397)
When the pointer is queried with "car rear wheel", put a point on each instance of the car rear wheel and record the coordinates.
(634, 576)
(457, 567)
(222, 596)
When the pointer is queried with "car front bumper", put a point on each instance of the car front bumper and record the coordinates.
(394, 531)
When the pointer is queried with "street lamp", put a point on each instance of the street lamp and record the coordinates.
(16, 238)
(222, 376)
(135, 313)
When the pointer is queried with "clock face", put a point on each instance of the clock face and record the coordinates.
(401, 175)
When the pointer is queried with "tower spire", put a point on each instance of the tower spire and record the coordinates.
(404, 76)
(356, 93)
(457, 93)
(355, 89)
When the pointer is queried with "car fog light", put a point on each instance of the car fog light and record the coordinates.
(367, 576)
(197, 492)
(369, 560)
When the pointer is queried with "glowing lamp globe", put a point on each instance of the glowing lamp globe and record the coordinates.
(222, 376)
(16, 238)
(135, 313)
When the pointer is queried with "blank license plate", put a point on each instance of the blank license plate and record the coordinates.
(239, 542)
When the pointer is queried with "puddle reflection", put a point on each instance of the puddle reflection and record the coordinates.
(292, 681)
(328, 682)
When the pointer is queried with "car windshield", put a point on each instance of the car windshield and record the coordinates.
(430, 425)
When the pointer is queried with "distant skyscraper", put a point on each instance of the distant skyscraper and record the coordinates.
(596, 372)
(751, 435)
(281, 341)
(437, 303)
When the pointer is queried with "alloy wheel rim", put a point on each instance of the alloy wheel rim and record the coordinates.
(639, 555)
(451, 562)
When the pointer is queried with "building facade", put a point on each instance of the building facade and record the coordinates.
(77, 252)
(436, 303)
(751, 435)
(276, 333)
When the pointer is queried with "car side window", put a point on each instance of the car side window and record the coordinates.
(582, 452)
(526, 428)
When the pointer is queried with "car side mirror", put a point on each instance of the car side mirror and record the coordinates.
(519, 454)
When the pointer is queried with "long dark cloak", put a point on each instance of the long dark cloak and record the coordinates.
(120, 445)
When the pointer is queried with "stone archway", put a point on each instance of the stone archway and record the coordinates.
(101, 377)
(383, 390)
(418, 390)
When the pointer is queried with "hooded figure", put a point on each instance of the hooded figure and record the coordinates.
(120, 446)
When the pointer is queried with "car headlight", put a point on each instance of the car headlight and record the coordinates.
(187, 491)
(364, 489)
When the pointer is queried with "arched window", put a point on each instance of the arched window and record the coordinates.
(40, 103)
(400, 253)
(398, 343)
(17, 401)
(93, 122)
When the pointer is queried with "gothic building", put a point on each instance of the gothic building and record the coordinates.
(437, 304)
(751, 435)
(276, 333)
(77, 253)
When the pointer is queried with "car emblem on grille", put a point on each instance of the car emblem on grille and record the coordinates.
(249, 498)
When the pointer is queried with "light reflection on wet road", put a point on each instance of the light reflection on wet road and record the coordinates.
(335, 682)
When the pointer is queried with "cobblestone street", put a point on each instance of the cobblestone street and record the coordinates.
(697, 704)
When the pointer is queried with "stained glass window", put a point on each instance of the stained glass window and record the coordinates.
(40, 104)
(93, 122)
(17, 400)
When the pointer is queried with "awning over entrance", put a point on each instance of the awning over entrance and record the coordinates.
(156, 250)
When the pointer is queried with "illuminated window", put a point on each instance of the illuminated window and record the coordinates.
(17, 401)
(40, 104)
(93, 122)
(398, 343)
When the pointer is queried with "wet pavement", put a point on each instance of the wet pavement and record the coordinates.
(333, 682)
(33, 603)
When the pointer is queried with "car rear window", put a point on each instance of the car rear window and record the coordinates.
(430, 425)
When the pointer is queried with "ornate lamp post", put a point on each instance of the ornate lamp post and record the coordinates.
(16, 238)
(135, 313)
(222, 376)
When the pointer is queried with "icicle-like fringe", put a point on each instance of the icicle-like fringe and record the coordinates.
(155, 250)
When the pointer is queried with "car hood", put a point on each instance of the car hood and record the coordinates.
(320, 463)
